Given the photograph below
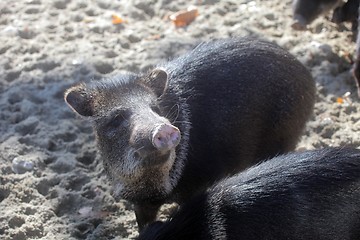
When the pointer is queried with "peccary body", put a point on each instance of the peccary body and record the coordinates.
(298, 196)
(306, 11)
(348, 12)
(167, 135)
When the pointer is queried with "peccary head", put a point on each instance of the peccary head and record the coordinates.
(137, 142)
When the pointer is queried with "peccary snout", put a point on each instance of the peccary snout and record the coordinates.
(165, 137)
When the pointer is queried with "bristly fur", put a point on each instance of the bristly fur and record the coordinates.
(111, 83)
(234, 101)
(298, 196)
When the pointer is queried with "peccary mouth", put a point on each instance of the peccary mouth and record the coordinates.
(155, 159)
(150, 177)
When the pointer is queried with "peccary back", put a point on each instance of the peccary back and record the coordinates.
(299, 196)
(247, 100)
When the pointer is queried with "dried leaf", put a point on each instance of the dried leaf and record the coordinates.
(185, 17)
(117, 20)
(340, 100)
(344, 99)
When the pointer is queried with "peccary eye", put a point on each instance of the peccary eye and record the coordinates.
(118, 121)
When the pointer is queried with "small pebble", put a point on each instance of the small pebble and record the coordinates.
(77, 62)
(21, 166)
(9, 31)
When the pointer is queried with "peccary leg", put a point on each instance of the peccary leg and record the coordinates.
(356, 67)
(145, 213)
(356, 72)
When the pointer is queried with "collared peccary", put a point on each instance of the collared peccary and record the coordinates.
(168, 134)
(306, 11)
(298, 196)
(348, 12)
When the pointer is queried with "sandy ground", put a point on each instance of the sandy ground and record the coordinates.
(52, 185)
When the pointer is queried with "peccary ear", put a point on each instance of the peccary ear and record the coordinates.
(79, 100)
(158, 81)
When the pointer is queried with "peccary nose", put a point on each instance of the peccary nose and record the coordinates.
(165, 137)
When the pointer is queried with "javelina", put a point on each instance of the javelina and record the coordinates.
(298, 196)
(306, 11)
(347, 13)
(168, 134)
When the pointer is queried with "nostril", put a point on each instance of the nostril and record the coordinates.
(166, 137)
(159, 140)
(175, 137)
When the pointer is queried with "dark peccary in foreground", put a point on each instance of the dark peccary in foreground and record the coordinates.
(169, 134)
(306, 11)
(347, 13)
(298, 196)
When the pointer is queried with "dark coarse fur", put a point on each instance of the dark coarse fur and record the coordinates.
(247, 100)
(235, 102)
(298, 196)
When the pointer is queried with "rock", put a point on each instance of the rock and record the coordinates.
(21, 166)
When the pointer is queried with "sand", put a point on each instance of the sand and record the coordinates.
(52, 184)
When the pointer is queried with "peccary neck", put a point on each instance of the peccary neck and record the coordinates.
(178, 113)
